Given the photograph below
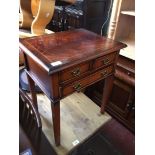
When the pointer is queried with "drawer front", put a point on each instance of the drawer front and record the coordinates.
(126, 72)
(125, 76)
(78, 85)
(74, 72)
(105, 60)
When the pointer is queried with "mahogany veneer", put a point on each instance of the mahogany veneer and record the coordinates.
(65, 62)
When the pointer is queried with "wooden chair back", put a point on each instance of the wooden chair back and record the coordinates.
(28, 114)
(36, 14)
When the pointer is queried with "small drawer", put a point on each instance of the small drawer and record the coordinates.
(125, 76)
(78, 85)
(127, 72)
(105, 60)
(74, 72)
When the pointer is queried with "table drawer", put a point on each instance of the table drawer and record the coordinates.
(105, 60)
(74, 72)
(78, 85)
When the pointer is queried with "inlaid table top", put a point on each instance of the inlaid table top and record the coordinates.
(61, 50)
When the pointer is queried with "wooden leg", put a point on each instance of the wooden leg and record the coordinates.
(106, 92)
(32, 91)
(56, 122)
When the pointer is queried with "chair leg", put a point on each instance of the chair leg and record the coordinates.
(32, 91)
(56, 121)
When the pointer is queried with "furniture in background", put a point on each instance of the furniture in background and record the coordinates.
(34, 17)
(36, 14)
(31, 137)
(124, 30)
(25, 146)
(65, 62)
(122, 26)
(122, 99)
(88, 14)
(29, 115)
(32, 22)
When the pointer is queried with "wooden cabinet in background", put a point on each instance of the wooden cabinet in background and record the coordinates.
(122, 99)
(88, 14)
(122, 102)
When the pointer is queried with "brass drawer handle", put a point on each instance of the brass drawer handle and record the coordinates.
(77, 87)
(76, 72)
(105, 61)
(104, 74)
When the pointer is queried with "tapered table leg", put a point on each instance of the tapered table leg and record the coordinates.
(32, 90)
(56, 121)
(106, 92)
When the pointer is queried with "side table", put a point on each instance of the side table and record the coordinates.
(68, 61)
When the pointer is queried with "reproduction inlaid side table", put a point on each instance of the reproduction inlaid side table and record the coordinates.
(68, 61)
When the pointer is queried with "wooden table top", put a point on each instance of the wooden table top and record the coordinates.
(60, 50)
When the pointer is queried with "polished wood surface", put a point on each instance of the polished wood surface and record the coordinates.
(78, 85)
(48, 56)
(84, 46)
